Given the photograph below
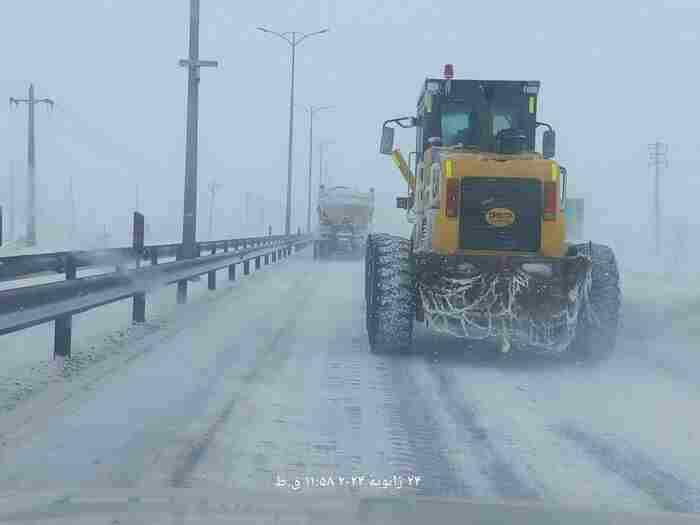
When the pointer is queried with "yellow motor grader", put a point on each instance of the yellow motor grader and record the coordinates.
(488, 258)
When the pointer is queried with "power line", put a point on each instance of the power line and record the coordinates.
(95, 138)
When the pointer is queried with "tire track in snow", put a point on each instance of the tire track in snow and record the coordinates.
(668, 490)
(506, 483)
(197, 448)
(413, 425)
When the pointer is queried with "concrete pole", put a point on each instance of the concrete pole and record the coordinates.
(657, 155)
(11, 217)
(72, 208)
(288, 214)
(321, 147)
(213, 188)
(247, 213)
(31, 172)
(31, 102)
(657, 205)
(311, 157)
(189, 219)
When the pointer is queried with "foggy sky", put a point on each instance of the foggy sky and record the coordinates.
(615, 77)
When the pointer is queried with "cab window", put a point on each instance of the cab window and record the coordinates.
(458, 124)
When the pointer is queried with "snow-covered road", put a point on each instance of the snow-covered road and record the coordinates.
(271, 379)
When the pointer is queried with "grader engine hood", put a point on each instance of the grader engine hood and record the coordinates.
(491, 203)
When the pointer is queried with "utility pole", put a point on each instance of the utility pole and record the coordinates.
(189, 219)
(72, 207)
(261, 201)
(293, 39)
(213, 188)
(31, 160)
(658, 158)
(247, 212)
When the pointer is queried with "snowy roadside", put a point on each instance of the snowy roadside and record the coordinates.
(102, 335)
(672, 304)
(661, 322)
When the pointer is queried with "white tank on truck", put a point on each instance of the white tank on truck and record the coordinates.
(344, 220)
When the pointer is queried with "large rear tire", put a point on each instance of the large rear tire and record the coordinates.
(596, 333)
(390, 293)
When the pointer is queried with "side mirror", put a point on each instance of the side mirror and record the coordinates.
(387, 145)
(549, 146)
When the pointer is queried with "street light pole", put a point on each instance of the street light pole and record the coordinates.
(322, 150)
(658, 152)
(189, 219)
(213, 188)
(292, 38)
(312, 110)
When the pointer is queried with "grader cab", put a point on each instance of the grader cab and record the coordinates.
(488, 257)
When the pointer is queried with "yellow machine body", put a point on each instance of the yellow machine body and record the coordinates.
(444, 234)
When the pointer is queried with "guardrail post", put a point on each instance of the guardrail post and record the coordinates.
(181, 285)
(154, 257)
(63, 326)
(211, 276)
(257, 262)
(182, 292)
(246, 267)
(232, 272)
(267, 259)
(139, 308)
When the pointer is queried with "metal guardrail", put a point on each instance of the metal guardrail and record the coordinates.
(28, 306)
(23, 266)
